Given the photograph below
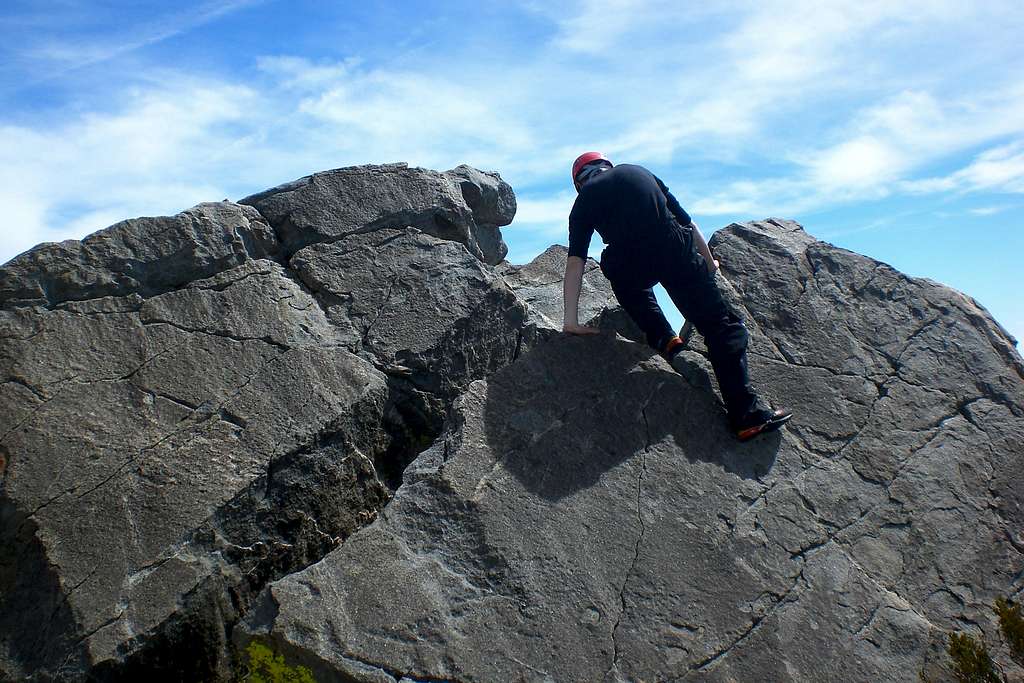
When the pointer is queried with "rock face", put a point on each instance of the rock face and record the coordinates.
(330, 418)
(539, 285)
(193, 405)
(464, 205)
(144, 256)
(586, 516)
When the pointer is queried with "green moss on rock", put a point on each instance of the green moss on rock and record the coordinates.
(266, 666)
(971, 660)
(1011, 623)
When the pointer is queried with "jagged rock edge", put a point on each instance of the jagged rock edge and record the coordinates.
(217, 601)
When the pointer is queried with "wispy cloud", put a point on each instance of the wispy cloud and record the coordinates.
(162, 153)
(776, 108)
(999, 169)
(58, 56)
(882, 147)
(595, 28)
(987, 210)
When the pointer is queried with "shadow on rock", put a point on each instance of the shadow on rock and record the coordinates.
(37, 625)
(576, 407)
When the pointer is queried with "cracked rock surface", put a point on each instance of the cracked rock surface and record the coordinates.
(586, 516)
(332, 418)
(194, 405)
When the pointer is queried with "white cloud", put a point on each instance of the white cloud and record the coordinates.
(302, 74)
(1000, 169)
(742, 91)
(798, 99)
(927, 185)
(545, 209)
(24, 223)
(596, 28)
(987, 210)
(161, 153)
(878, 151)
(408, 110)
(760, 198)
(862, 162)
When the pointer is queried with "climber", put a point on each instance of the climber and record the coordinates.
(651, 239)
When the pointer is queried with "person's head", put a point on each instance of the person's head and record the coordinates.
(586, 166)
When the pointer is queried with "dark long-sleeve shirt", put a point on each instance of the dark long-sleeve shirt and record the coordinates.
(624, 204)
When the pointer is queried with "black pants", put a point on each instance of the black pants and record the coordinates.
(672, 259)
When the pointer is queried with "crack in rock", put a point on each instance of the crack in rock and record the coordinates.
(639, 539)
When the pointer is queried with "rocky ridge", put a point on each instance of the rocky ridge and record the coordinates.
(330, 417)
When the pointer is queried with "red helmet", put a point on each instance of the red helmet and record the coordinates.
(584, 159)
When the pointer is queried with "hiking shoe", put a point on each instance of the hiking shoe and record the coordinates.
(672, 348)
(761, 422)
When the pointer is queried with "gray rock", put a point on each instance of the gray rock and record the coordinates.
(493, 204)
(539, 285)
(204, 418)
(183, 419)
(132, 429)
(144, 256)
(463, 205)
(586, 516)
(421, 305)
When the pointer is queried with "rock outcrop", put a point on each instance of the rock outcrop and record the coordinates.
(193, 405)
(331, 419)
(587, 517)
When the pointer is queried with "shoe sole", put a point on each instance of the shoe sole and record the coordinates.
(769, 426)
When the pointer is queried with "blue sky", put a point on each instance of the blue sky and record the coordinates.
(895, 129)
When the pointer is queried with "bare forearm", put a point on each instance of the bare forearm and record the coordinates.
(571, 285)
(702, 247)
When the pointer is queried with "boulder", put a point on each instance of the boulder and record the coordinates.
(419, 305)
(539, 284)
(197, 404)
(586, 516)
(145, 256)
(329, 419)
(463, 205)
(130, 424)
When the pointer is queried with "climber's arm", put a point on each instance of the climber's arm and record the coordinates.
(702, 247)
(571, 286)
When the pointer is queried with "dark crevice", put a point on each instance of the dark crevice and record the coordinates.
(22, 383)
(216, 333)
(414, 420)
(310, 501)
